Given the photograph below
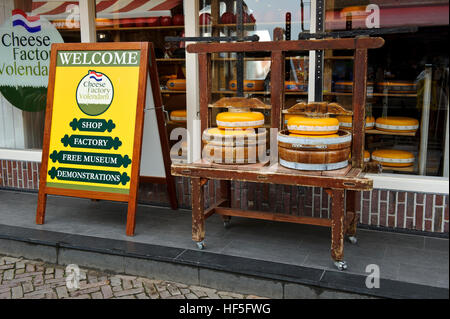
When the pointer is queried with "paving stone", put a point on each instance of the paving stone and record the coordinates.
(128, 292)
(17, 292)
(28, 279)
(62, 292)
(97, 295)
(106, 291)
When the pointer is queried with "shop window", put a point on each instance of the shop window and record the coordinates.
(27, 37)
(407, 78)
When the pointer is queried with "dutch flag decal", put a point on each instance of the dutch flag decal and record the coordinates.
(96, 76)
(20, 18)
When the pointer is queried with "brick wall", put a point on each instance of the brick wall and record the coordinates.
(379, 208)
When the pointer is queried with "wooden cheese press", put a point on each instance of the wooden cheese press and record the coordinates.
(341, 184)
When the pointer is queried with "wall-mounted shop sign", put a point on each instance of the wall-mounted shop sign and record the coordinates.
(25, 43)
(94, 123)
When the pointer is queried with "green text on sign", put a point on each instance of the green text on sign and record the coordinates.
(95, 159)
(86, 141)
(89, 176)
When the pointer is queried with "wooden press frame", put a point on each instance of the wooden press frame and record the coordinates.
(337, 183)
(145, 65)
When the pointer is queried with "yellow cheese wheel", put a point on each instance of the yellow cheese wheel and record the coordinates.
(366, 156)
(397, 124)
(178, 116)
(346, 122)
(394, 158)
(249, 85)
(240, 120)
(313, 136)
(176, 84)
(312, 126)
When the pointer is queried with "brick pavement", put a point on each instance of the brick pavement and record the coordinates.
(28, 279)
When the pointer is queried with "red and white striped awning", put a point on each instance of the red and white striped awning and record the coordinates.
(108, 9)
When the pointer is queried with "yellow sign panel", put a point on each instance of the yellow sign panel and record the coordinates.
(93, 120)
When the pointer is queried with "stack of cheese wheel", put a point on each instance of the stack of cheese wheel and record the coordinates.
(346, 122)
(178, 116)
(397, 124)
(314, 144)
(393, 158)
(235, 140)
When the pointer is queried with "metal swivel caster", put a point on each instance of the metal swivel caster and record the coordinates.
(341, 265)
(200, 244)
(352, 239)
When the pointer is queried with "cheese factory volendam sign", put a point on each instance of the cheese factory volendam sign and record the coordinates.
(94, 123)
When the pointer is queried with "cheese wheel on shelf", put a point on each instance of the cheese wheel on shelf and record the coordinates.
(346, 122)
(314, 142)
(397, 124)
(393, 158)
(312, 126)
(234, 137)
(366, 156)
(249, 85)
(293, 86)
(176, 84)
(240, 120)
(178, 116)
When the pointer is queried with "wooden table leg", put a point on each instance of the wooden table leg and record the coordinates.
(351, 216)
(198, 218)
(337, 228)
(225, 193)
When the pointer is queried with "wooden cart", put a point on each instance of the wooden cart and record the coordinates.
(341, 185)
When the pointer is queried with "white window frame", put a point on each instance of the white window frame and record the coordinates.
(400, 182)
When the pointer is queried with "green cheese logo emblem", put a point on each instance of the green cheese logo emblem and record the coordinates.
(95, 93)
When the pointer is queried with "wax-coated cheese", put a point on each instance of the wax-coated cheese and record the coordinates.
(312, 126)
(240, 120)
(178, 116)
(397, 124)
(176, 84)
(395, 158)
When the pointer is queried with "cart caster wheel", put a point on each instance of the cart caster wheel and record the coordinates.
(352, 239)
(200, 245)
(340, 265)
(226, 224)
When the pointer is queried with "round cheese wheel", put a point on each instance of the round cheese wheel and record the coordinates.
(394, 158)
(370, 122)
(314, 142)
(313, 126)
(234, 137)
(249, 85)
(397, 124)
(366, 156)
(176, 84)
(356, 12)
(178, 116)
(346, 122)
(240, 120)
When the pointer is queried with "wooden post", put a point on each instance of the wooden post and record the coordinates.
(198, 219)
(337, 224)
(359, 106)
(351, 216)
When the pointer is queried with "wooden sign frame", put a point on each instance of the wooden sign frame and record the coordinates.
(145, 49)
